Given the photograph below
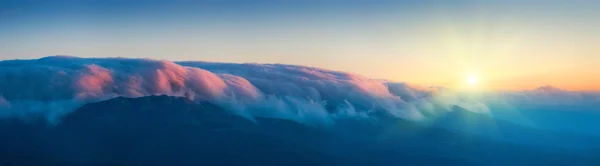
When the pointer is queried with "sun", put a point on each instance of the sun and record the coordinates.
(472, 80)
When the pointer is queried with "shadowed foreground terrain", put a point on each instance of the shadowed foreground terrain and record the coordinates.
(163, 130)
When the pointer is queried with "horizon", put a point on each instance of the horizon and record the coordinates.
(502, 45)
(455, 89)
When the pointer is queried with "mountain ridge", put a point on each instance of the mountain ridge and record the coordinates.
(165, 130)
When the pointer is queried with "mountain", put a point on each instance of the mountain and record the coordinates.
(483, 125)
(164, 130)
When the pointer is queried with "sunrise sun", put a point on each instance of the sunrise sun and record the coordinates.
(472, 80)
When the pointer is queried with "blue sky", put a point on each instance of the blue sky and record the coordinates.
(427, 42)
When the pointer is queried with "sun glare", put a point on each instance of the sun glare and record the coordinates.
(472, 80)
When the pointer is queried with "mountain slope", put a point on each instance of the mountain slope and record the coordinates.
(163, 130)
(466, 121)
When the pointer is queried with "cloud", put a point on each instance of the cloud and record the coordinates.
(55, 86)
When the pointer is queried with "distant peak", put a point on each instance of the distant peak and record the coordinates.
(548, 88)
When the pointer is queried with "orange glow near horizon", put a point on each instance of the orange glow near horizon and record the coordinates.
(511, 46)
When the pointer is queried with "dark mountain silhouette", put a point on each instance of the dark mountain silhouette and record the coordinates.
(479, 124)
(163, 130)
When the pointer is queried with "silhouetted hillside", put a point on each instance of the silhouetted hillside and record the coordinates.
(479, 124)
(163, 130)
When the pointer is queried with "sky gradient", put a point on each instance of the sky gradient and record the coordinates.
(506, 44)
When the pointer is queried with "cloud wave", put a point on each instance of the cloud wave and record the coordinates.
(54, 86)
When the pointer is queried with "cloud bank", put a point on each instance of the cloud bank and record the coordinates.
(54, 86)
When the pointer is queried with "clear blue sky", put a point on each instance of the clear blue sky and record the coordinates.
(429, 42)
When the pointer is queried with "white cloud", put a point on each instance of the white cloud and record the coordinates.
(55, 86)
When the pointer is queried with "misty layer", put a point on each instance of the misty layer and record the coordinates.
(54, 86)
